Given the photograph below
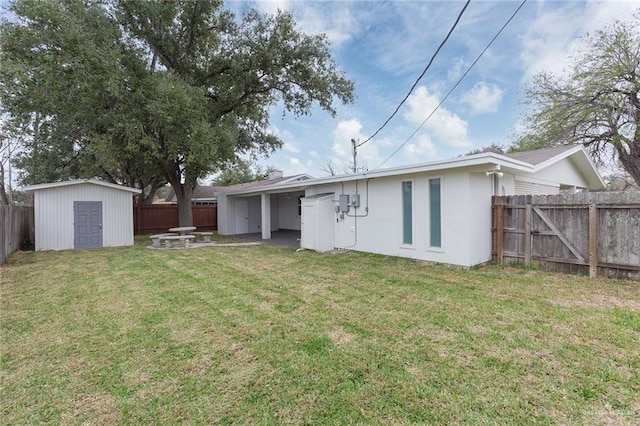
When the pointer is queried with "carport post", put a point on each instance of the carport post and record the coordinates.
(265, 216)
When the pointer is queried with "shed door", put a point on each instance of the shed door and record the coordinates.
(87, 224)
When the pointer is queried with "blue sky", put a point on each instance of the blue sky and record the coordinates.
(383, 46)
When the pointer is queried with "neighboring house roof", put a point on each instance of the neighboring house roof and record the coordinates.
(201, 193)
(208, 193)
(205, 192)
(512, 163)
(81, 181)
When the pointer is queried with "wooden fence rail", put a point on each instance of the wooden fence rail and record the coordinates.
(16, 230)
(595, 233)
(155, 218)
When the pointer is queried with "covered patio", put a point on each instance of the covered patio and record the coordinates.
(283, 237)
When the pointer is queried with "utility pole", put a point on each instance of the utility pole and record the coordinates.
(354, 147)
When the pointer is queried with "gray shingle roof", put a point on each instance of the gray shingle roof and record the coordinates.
(538, 156)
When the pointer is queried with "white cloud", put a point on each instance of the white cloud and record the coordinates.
(290, 148)
(342, 135)
(368, 154)
(423, 149)
(272, 6)
(292, 166)
(456, 70)
(313, 153)
(447, 128)
(483, 98)
(336, 21)
(555, 33)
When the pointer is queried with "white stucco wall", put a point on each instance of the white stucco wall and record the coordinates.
(53, 210)
(254, 214)
(275, 219)
(226, 213)
(288, 217)
(466, 217)
(480, 208)
(562, 172)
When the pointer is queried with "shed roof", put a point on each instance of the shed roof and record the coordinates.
(79, 182)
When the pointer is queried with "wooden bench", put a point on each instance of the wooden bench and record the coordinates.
(155, 239)
(206, 236)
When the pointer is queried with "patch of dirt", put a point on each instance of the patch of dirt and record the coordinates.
(197, 367)
(479, 329)
(611, 416)
(98, 408)
(416, 372)
(599, 301)
(340, 338)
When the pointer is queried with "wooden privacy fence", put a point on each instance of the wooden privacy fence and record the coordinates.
(153, 218)
(16, 230)
(594, 233)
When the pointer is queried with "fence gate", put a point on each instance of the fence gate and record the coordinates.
(576, 233)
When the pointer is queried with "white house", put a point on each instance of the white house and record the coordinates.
(82, 214)
(438, 211)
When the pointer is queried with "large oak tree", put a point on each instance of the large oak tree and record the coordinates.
(597, 105)
(188, 85)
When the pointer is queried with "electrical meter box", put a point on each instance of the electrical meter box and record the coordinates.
(354, 200)
(344, 202)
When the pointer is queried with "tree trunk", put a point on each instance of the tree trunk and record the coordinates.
(185, 212)
(631, 161)
(147, 198)
(3, 193)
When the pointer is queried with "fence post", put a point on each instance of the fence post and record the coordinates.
(593, 240)
(500, 233)
(527, 235)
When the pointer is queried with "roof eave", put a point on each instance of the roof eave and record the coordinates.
(484, 159)
(31, 188)
(582, 160)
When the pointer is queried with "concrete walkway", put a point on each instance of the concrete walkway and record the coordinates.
(283, 237)
(211, 244)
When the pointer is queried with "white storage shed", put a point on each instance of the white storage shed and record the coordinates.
(82, 214)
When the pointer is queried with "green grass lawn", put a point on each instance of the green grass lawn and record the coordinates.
(265, 335)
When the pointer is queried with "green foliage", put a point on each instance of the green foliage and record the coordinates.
(150, 92)
(241, 172)
(494, 147)
(74, 95)
(597, 105)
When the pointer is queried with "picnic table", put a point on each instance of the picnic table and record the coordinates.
(183, 230)
(179, 236)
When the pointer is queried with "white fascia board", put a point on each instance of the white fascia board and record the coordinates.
(559, 157)
(297, 178)
(78, 182)
(582, 160)
(485, 159)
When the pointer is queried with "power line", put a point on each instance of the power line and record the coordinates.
(421, 75)
(454, 87)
